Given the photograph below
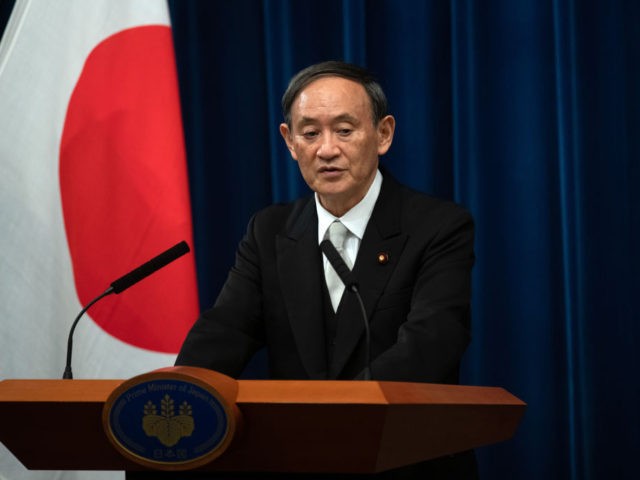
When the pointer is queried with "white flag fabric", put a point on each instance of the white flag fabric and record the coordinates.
(93, 183)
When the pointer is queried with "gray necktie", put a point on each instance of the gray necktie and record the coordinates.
(337, 233)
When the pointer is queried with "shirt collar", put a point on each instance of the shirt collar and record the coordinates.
(355, 219)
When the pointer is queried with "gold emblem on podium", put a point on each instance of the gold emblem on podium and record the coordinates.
(151, 419)
(168, 427)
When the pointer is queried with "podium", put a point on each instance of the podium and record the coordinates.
(282, 426)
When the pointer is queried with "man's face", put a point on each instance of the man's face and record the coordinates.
(335, 142)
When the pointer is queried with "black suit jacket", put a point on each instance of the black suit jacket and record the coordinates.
(417, 302)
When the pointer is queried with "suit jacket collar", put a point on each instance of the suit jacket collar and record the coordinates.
(299, 267)
(300, 273)
(383, 236)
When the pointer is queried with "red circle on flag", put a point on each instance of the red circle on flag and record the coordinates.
(124, 188)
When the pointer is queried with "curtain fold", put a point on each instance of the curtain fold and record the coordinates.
(568, 153)
(527, 113)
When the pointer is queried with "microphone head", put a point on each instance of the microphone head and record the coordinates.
(150, 267)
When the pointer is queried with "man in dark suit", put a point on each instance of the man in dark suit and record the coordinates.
(411, 255)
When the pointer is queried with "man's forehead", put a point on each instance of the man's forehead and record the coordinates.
(341, 117)
(344, 97)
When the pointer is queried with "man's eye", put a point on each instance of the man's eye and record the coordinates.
(344, 132)
(310, 134)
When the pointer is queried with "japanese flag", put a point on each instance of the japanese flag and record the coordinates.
(93, 183)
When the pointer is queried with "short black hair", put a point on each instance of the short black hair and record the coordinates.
(334, 68)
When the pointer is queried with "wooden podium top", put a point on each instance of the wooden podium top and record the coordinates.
(287, 426)
(274, 391)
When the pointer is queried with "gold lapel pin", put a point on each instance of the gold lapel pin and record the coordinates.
(383, 258)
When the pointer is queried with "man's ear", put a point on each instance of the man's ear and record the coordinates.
(386, 127)
(288, 139)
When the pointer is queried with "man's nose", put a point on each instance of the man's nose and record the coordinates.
(328, 147)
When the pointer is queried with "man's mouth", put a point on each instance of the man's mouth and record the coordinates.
(329, 169)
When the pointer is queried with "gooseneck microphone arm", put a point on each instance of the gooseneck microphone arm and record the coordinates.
(124, 282)
(343, 271)
(68, 374)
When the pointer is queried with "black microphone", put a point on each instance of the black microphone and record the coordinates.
(343, 271)
(150, 267)
(122, 284)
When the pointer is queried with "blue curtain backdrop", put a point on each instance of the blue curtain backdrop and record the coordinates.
(527, 113)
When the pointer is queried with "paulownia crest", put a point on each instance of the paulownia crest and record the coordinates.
(168, 427)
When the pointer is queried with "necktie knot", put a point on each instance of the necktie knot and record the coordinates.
(338, 235)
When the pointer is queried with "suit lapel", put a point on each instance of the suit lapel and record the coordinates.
(298, 260)
(382, 236)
